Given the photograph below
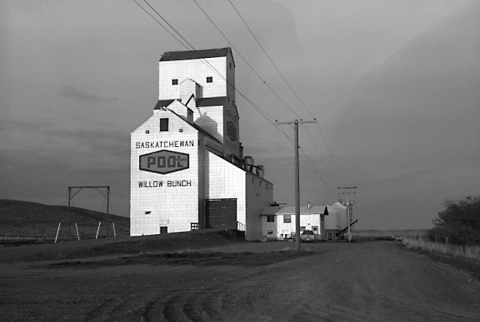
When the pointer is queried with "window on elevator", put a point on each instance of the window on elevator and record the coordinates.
(164, 125)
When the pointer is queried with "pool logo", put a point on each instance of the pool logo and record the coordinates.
(164, 162)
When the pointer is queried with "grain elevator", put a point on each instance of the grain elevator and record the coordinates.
(187, 165)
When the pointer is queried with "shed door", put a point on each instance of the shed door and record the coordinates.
(221, 213)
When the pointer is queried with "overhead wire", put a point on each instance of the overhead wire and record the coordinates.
(159, 23)
(316, 172)
(292, 90)
(289, 86)
(265, 52)
(189, 46)
(321, 157)
(244, 59)
(250, 66)
(261, 78)
(265, 114)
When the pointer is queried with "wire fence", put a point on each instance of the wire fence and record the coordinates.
(61, 232)
(442, 246)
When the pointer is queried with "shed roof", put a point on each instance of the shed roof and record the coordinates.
(195, 54)
(202, 102)
(162, 103)
(165, 103)
(211, 101)
(304, 210)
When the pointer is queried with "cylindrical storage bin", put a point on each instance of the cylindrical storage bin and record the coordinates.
(248, 162)
(260, 171)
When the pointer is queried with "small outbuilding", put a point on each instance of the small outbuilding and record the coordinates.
(279, 221)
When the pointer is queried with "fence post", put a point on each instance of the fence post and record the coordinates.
(76, 227)
(58, 230)
(98, 229)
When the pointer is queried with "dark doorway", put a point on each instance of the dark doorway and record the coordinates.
(163, 229)
(221, 213)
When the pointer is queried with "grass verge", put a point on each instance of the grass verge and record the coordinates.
(247, 259)
(471, 267)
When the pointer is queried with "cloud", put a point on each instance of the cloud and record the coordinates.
(98, 140)
(411, 126)
(76, 94)
(43, 176)
(43, 160)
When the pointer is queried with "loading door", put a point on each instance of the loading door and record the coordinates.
(221, 213)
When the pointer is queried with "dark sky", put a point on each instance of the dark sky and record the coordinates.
(394, 86)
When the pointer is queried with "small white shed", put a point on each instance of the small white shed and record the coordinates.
(278, 222)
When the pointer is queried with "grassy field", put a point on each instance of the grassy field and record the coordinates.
(108, 247)
(22, 219)
(464, 251)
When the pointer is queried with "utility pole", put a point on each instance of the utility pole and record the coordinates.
(297, 179)
(68, 212)
(349, 204)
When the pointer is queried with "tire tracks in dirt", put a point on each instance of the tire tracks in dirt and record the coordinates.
(369, 281)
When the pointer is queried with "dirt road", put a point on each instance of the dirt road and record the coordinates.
(368, 281)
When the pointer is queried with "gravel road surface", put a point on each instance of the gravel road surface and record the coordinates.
(365, 281)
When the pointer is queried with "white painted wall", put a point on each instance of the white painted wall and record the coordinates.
(259, 195)
(197, 70)
(209, 176)
(223, 181)
(278, 229)
(253, 194)
(173, 206)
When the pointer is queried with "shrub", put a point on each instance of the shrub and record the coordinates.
(459, 222)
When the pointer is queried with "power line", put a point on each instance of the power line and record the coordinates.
(316, 172)
(320, 156)
(243, 58)
(265, 114)
(159, 23)
(161, 17)
(289, 86)
(268, 56)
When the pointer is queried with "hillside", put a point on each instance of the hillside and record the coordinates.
(29, 219)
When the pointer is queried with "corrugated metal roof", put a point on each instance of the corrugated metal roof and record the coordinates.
(195, 54)
(211, 101)
(162, 103)
(207, 101)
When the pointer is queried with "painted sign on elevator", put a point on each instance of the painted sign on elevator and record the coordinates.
(164, 162)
